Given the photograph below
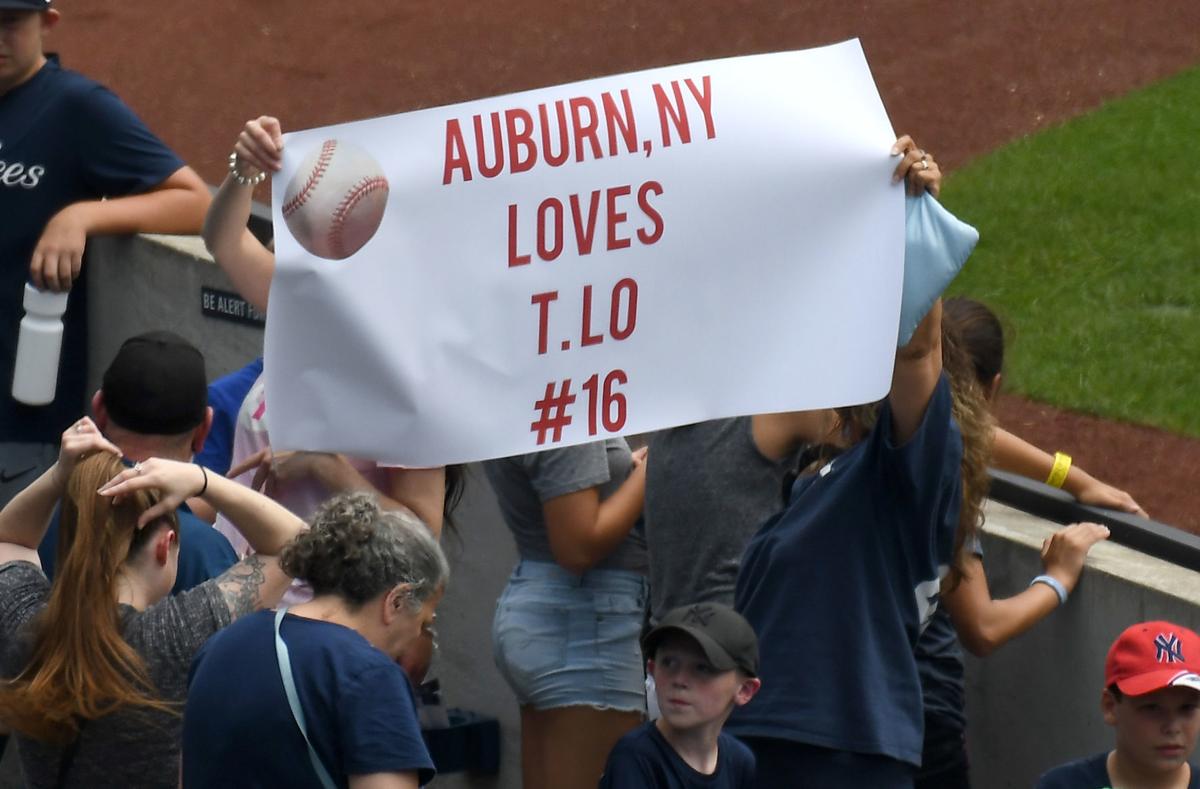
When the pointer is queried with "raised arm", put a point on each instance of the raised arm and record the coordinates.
(584, 530)
(176, 205)
(1012, 453)
(23, 520)
(918, 367)
(918, 363)
(255, 582)
(247, 263)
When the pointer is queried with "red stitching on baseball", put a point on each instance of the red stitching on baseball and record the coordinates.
(314, 178)
(353, 197)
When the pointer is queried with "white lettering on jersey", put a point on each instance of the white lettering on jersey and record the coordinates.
(17, 174)
(926, 594)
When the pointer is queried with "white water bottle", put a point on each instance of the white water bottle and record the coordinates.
(39, 345)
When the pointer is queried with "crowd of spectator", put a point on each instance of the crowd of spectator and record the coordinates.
(181, 605)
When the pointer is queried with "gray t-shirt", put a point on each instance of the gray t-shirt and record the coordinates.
(708, 490)
(523, 482)
(130, 747)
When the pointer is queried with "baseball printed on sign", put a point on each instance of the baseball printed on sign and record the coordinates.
(335, 201)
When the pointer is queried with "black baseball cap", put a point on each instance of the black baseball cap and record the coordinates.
(156, 384)
(723, 634)
(24, 5)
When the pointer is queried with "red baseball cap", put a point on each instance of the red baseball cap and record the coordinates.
(1151, 656)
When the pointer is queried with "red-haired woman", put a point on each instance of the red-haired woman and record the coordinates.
(99, 658)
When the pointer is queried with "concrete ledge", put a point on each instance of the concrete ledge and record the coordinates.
(142, 283)
(1036, 702)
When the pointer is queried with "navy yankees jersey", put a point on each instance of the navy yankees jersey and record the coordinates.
(839, 585)
(63, 139)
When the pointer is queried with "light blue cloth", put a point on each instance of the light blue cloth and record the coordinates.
(936, 245)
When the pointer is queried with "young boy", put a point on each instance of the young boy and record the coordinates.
(704, 661)
(1152, 700)
(66, 143)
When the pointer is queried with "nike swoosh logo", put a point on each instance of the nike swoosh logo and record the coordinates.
(6, 478)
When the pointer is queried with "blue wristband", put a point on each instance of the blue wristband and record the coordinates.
(1054, 584)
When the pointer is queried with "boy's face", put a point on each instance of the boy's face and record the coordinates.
(691, 692)
(1155, 732)
(21, 35)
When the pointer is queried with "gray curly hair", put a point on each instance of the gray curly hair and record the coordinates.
(357, 551)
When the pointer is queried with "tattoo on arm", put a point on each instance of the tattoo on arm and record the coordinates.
(242, 585)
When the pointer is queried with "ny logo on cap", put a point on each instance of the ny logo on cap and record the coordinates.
(1167, 648)
(698, 614)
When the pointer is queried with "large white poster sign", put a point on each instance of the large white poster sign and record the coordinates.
(601, 258)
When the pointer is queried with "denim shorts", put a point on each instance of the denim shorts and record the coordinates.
(563, 640)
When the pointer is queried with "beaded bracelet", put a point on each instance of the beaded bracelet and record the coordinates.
(243, 180)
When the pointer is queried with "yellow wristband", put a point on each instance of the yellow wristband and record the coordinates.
(1058, 474)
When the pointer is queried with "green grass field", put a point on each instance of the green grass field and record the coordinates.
(1090, 252)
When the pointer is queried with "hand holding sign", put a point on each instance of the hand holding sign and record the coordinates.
(260, 144)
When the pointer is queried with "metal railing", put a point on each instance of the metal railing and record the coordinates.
(1141, 534)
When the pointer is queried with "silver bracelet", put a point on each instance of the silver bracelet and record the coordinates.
(243, 180)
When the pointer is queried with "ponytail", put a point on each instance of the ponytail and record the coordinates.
(80, 667)
(975, 421)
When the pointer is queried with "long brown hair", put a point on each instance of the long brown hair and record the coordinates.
(975, 420)
(80, 667)
(982, 335)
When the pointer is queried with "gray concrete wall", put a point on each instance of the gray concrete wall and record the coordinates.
(142, 283)
(482, 555)
(1035, 702)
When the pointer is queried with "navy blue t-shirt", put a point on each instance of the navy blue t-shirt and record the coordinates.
(225, 396)
(238, 730)
(643, 759)
(203, 551)
(1090, 773)
(839, 585)
(63, 139)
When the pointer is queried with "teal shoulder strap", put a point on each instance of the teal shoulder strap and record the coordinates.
(289, 687)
